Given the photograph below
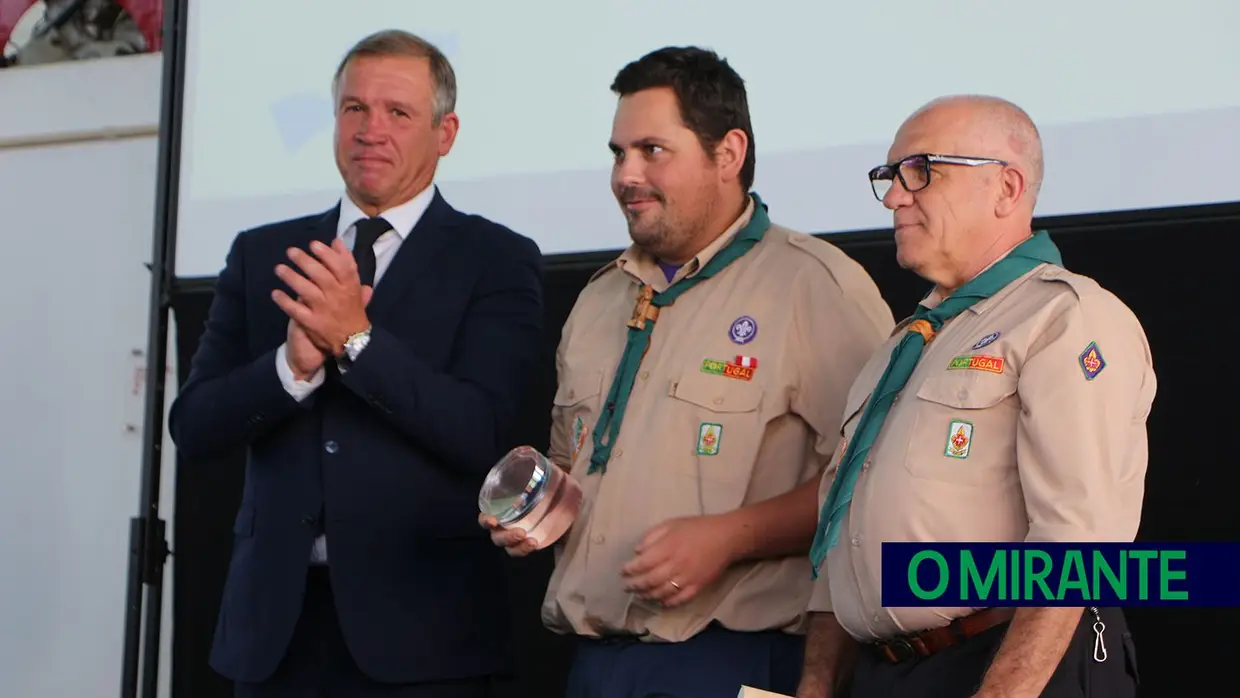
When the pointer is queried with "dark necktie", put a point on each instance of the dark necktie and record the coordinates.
(368, 230)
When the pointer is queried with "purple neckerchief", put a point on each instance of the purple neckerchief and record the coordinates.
(669, 270)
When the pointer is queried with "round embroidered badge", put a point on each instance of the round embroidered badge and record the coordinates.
(743, 330)
(984, 341)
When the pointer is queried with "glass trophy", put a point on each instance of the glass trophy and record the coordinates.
(526, 490)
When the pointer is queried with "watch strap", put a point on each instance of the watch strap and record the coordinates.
(354, 345)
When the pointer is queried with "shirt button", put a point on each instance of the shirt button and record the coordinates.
(331, 447)
(645, 375)
(856, 540)
(875, 617)
(598, 539)
(619, 452)
(718, 401)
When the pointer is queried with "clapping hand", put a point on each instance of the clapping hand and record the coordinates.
(331, 301)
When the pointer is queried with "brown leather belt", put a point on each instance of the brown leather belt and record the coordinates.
(927, 642)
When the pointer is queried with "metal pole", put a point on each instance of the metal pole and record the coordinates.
(148, 545)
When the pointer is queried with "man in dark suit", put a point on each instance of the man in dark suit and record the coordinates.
(370, 419)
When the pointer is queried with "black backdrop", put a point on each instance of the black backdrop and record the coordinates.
(1168, 266)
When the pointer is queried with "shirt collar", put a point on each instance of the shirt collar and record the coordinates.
(402, 217)
(937, 296)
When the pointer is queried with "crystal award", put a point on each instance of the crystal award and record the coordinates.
(526, 490)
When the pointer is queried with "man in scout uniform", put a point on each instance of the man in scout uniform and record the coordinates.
(701, 379)
(1010, 407)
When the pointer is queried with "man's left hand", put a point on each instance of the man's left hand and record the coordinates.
(331, 303)
(679, 558)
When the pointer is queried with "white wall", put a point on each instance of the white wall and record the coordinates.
(829, 84)
(77, 192)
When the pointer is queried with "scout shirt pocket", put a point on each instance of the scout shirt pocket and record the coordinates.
(714, 435)
(964, 428)
(576, 406)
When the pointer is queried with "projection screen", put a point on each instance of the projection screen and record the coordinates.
(1138, 102)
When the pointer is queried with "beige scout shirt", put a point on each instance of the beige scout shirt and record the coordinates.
(696, 442)
(1013, 442)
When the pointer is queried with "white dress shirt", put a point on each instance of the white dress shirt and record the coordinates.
(402, 218)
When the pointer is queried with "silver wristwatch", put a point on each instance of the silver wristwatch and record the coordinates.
(354, 345)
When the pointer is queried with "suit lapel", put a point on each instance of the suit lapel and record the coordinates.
(428, 239)
(323, 227)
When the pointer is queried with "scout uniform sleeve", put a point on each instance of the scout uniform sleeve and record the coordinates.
(560, 446)
(834, 334)
(1086, 388)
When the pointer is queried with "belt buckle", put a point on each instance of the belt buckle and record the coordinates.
(899, 650)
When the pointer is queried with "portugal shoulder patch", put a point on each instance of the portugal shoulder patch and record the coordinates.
(977, 362)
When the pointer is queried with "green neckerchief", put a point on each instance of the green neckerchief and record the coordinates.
(925, 323)
(642, 325)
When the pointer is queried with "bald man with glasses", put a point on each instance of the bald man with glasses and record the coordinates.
(1010, 407)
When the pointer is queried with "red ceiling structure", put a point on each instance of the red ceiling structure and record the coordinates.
(148, 14)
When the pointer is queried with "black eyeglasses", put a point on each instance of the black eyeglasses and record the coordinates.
(914, 171)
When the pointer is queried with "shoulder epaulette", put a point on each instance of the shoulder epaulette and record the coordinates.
(602, 270)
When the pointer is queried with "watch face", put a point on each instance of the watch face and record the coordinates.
(355, 344)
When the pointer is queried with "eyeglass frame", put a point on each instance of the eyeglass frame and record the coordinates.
(931, 159)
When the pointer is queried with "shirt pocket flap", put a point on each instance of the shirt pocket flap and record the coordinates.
(578, 386)
(718, 393)
(971, 391)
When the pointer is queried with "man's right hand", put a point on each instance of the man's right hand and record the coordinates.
(304, 358)
(512, 540)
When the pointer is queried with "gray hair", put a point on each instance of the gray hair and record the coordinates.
(394, 42)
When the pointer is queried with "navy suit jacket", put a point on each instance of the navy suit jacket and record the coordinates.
(394, 449)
